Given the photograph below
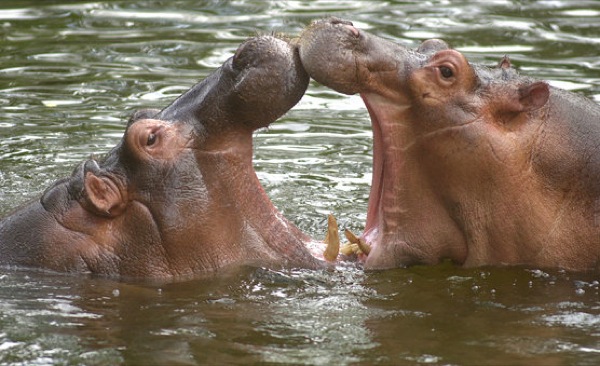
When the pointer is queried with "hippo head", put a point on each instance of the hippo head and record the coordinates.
(474, 164)
(178, 195)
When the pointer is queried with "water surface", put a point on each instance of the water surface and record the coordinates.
(71, 72)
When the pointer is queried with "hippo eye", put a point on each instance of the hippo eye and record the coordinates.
(151, 139)
(446, 72)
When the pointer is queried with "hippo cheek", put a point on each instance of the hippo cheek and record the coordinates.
(169, 173)
(159, 157)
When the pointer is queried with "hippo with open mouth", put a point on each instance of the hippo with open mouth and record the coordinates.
(178, 195)
(471, 164)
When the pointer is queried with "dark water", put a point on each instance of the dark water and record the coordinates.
(72, 71)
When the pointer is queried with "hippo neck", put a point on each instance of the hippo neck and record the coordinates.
(233, 178)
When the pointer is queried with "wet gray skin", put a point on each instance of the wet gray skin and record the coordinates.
(473, 164)
(178, 196)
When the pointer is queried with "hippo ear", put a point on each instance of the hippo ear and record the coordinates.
(103, 196)
(533, 96)
(504, 63)
(524, 98)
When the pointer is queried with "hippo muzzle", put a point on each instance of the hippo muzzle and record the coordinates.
(254, 87)
(344, 58)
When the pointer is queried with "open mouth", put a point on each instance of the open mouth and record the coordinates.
(361, 246)
(360, 67)
(372, 225)
(384, 207)
(386, 210)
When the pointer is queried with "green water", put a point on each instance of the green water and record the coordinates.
(71, 72)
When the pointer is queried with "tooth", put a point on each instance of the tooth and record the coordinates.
(348, 249)
(364, 247)
(351, 237)
(332, 239)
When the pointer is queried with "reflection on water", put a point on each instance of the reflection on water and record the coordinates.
(72, 71)
(421, 315)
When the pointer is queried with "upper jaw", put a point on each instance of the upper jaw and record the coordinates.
(261, 82)
(339, 56)
(327, 49)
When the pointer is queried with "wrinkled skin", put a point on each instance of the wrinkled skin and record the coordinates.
(178, 195)
(471, 164)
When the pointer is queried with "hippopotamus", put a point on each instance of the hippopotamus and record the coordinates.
(178, 195)
(475, 165)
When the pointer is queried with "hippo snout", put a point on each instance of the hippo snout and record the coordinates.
(258, 84)
(336, 69)
(338, 55)
(268, 80)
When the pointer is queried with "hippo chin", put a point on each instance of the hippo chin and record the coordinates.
(178, 195)
(471, 164)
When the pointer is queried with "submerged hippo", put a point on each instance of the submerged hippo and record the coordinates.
(178, 195)
(473, 164)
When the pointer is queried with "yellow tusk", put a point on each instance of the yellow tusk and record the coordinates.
(351, 237)
(364, 247)
(348, 249)
(332, 239)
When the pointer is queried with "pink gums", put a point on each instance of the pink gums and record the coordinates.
(372, 226)
(386, 211)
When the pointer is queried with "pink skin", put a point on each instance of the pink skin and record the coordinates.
(475, 165)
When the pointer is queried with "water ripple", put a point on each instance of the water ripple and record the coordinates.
(72, 73)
